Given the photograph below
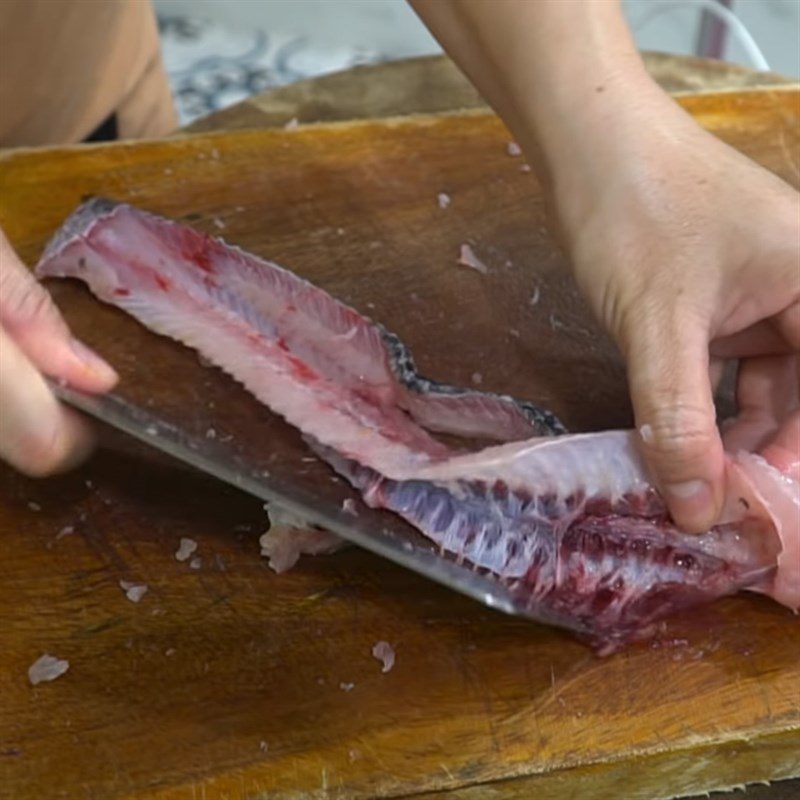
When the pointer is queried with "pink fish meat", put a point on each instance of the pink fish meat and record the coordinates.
(572, 522)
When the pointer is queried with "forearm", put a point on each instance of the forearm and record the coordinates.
(552, 69)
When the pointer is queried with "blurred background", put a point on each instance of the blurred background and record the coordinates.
(219, 51)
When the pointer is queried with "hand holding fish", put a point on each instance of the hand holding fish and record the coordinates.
(688, 252)
(37, 435)
(685, 273)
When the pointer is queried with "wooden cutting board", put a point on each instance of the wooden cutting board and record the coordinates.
(227, 681)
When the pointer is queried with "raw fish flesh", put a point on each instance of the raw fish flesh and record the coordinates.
(288, 538)
(571, 522)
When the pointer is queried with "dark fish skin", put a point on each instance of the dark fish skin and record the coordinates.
(543, 422)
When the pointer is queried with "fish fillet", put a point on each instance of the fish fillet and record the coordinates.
(572, 522)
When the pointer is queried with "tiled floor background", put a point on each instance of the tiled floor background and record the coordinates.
(283, 40)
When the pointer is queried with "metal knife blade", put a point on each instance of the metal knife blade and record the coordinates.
(221, 462)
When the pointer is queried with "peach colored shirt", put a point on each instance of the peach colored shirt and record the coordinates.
(66, 65)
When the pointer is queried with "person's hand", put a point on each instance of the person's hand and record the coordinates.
(38, 435)
(690, 254)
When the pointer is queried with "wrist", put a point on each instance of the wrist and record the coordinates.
(619, 130)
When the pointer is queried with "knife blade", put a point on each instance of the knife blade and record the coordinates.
(387, 540)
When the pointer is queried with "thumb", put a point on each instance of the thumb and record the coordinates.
(31, 319)
(668, 361)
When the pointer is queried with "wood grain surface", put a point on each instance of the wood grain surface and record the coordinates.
(227, 681)
(433, 84)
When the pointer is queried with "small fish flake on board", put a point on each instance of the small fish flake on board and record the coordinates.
(467, 258)
(513, 149)
(347, 687)
(283, 545)
(349, 506)
(384, 652)
(47, 668)
(185, 549)
(133, 591)
(443, 199)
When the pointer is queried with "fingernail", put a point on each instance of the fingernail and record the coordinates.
(93, 362)
(689, 490)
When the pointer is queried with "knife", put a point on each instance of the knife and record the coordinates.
(389, 540)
